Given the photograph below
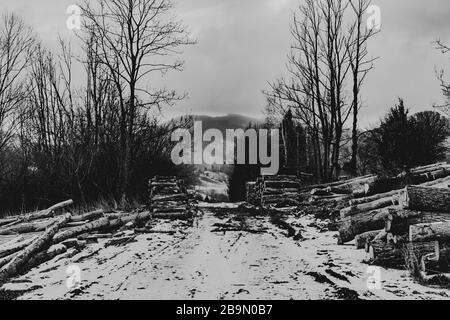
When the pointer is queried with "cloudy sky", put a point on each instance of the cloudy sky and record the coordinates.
(242, 44)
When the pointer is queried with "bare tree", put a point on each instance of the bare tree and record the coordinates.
(318, 66)
(16, 40)
(136, 38)
(445, 86)
(360, 63)
(325, 59)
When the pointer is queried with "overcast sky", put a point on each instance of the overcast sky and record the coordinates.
(242, 44)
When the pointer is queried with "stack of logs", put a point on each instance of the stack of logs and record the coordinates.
(41, 236)
(344, 189)
(280, 190)
(405, 228)
(169, 199)
(35, 238)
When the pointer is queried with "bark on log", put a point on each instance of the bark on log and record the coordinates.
(8, 250)
(173, 197)
(44, 256)
(4, 222)
(430, 231)
(429, 167)
(350, 227)
(103, 223)
(359, 201)
(26, 227)
(41, 242)
(171, 215)
(398, 221)
(7, 259)
(362, 239)
(48, 213)
(74, 232)
(365, 207)
(282, 184)
(393, 256)
(427, 199)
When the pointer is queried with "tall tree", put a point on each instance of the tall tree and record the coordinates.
(360, 64)
(136, 39)
(16, 41)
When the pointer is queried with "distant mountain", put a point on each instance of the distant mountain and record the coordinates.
(231, 121)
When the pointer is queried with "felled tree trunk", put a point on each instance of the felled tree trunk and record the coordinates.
(8, 250)
(21, 259)
(350, 227)
(398, 221)
(359, 201)
(26, 228)
(427, 199)
(44, 256)
(48, 212)
(74, 232)
(393, 256)
(362, 239)
(430, 231)
(378, 204)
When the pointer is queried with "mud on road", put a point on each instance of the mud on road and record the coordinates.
(221, 256)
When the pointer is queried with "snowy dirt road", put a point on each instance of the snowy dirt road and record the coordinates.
(200, 262)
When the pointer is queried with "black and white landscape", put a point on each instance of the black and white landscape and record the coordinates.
(224, 150)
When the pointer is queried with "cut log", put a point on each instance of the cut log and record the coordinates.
(173, 197)
(10, 269)
(427, 199)
(430, 231)
(359, 201)
(393, 256)
(350, 227)
(15, 247)
(48, 213)
(74, 232)
(282, 184)
(103, 223)
(44, 256)
(272, 191)
(437, 182)
(26, 227)
(4, 222)
(427, 168)
(88, 216)
(13, 241)
(172, 215)
(398, 221)
(362, 239)
(7, 259)
(365, 207)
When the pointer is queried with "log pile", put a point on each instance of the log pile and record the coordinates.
(169, 199)
(280, 191)
(44, 235)
(368, 213)
(407, 228)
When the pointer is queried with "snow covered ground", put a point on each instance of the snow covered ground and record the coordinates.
(197, 263)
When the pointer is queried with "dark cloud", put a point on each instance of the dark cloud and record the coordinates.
(242, 44)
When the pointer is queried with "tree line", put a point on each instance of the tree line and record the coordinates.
(102, 138)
